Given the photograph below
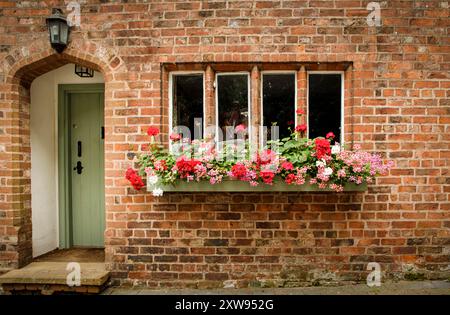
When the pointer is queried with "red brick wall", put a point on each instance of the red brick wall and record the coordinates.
(396, 104)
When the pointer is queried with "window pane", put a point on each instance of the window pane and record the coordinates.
(188, 102)
(324, 100)
(232, 96)
(279, 102)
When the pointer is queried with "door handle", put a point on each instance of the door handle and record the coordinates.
(78, 168)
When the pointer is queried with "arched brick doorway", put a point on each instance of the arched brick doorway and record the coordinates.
(16, 228)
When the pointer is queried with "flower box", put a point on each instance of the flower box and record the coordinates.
(240, 186)
(298, 164)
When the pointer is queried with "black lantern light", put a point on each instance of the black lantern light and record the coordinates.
(83, 71)
(58, 30)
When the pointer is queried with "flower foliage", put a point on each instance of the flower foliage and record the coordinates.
(296, 161)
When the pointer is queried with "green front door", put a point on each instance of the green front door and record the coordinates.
(86, 145)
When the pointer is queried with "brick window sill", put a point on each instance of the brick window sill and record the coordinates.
(239, 186)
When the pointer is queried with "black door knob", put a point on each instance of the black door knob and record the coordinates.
(78, 168)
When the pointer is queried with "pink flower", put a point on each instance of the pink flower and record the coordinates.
(330, 135)
(240, 128)
(267, 156)
(253, 183)
(200, 171)
(341, 173)
(175, 137)
(160, 165)
(287, 166)
(300, 111)
(152, 131)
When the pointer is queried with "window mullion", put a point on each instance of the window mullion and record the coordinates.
(302, 95)
(210, 107)
(255, 114)
(165, 111)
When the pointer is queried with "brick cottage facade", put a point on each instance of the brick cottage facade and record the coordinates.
(396, 102)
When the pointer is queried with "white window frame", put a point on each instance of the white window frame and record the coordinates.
(262, 96)
(342, 73)
(249, 101)
(171, 75)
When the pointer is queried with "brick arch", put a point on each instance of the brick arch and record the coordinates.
(24, 71)
(20, 70)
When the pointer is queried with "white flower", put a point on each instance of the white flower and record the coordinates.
(328, 171)
(335, 149)
(320, 163)
(153, 179)
(157, 192)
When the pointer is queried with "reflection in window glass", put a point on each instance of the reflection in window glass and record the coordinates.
(232, 97)
(324, 101)
(187, 100)
(278, 96)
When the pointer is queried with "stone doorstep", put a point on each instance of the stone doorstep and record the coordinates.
(49, 289)
(55, 273)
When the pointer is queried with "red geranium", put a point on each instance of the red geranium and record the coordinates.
(134, 178)
(290, 179)
(300, 111)
(267, 176)
(239, 170)
(330, 135)
(322, 148)
(152, 131)
(186, 167)
(301, 128)
(287, 166)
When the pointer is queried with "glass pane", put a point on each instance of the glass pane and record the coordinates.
(64, 33)
(324, 99)
(279, 103)
(232, 96)
(188, 103)
(54, 29)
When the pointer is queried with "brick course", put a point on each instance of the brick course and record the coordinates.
(397, 103)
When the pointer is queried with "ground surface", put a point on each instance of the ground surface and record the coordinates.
(397, 288)
(51, 268)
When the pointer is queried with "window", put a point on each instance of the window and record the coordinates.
(279, 102)
(187, 98)
(219, 97)
(325, 100)
(232, 95)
